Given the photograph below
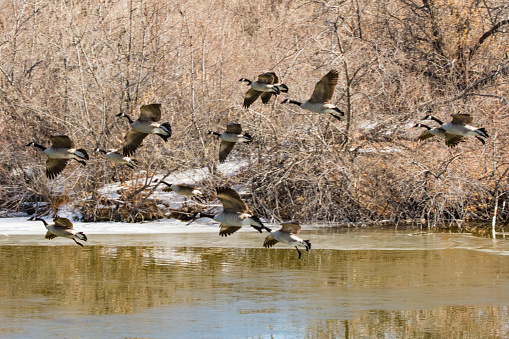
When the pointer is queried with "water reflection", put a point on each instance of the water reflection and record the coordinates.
(238, 292)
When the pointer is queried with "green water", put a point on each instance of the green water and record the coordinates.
(356, 285)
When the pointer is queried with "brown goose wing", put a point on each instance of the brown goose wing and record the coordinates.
(50, 235)
(267, 78)
(63, 222)
(132, 141)
(150, 112)
(224, 149)
(266, 97)
(452, 140)
(324, 89)
(231, 200)
(55, 166)
(251, 97)
(269, 241)
(291, 227)
(425, 135)
(61, 141)
(225, 231)
(234, 128)
(461, 118)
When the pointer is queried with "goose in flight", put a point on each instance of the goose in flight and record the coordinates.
(62, 227)
(321, 97)
(59, 153)
(287, 234)
(229, 138)
(266, 86)
(146, 124)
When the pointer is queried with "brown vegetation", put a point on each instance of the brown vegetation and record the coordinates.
(69, 67)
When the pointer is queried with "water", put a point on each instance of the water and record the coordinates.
(353, 284)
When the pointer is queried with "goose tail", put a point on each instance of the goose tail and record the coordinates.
(307, 244)
(81, 236)
(283, 88)
(81, 153)
(482, 132)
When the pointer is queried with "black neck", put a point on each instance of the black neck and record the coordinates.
(214, 133)
(249, 82)
(43, 221)
(164, 182)
(204, 215)
(127, 117)
(102, 151)
(437, 120)
(295, 102)
(39, 146)
(425, 126)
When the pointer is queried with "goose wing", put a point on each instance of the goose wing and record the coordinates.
(251, 96)
(50, 235)
(425, 135)
(132, 141)
(61, 141)
(225, 230)
(266, 97)
(452, 140)
(150, 112)
(55, 166)
(461, 118)
(234, 128)
(291, 227)
(224, 149)
(324, 89)
(268, 78)
(231, 200)
(63, 222)
(269, 241)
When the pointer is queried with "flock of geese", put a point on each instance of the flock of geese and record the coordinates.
(235, 213)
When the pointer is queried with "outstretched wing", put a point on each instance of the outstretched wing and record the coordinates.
(54, 167)
(452, 140)
(291, 227)
(461, 118)
(150, 112)
(61, 141)
(324, 89)
(49, 235)
(234, 128)
(251, 96)
(266, 97)
(224, 149)
(268, 78)
(425, 135)
(269, 241)
(63, 222)
(225, 231)
(231, 200)
(132, 141)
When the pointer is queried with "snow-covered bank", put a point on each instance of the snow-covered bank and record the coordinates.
(22, 226)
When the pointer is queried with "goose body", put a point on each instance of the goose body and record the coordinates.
(182, 189)
(287, 234)
(235, 213)
(59, 153)
(62, 227)
(266, 86)
(321, 97)
(146, 124)
(460, 125)
(229, 138)
(451, 140)
(117, 157)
